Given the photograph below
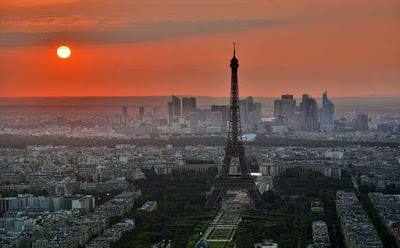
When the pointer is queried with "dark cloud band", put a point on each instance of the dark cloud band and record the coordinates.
(134, 32)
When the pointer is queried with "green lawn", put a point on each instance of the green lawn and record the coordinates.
(220, 244)
(221, 233)
(230, 217)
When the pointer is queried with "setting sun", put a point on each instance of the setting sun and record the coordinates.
(63, 52)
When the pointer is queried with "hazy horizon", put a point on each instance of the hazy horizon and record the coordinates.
(113, 104)
(297, 96)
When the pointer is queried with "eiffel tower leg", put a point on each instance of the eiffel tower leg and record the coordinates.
(227, 164)
(255, 195)
(243, 167)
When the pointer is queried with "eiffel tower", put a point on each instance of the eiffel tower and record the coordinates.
(234, 149)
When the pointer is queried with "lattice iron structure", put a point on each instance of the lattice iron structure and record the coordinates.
(234, 149)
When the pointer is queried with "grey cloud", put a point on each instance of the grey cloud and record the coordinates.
(135, 32)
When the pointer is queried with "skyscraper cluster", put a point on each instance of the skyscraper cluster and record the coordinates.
(306, 116)
(214, 120)
(175, 115)
(174, 109)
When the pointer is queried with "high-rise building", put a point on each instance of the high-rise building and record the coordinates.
(216, 118)
(194, 122)
(223, 109)
(248, 109)
(284, 107)
(327, 112)
(277, 108)
(174, 109)
(250, 112)
(188, 105)
(170, 113)
(141, 112)
(176, 103)
(204, 115)
(257, 112)
(362, 122)
(193, 103)
(250, 104)
(186, 108)
(309, 113)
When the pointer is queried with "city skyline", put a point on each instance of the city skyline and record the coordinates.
(181, 49)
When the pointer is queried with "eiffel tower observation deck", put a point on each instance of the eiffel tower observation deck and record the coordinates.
(234, 149)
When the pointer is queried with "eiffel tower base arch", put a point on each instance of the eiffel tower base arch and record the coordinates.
(233, 182)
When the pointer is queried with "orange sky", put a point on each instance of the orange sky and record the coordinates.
(158, 47)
